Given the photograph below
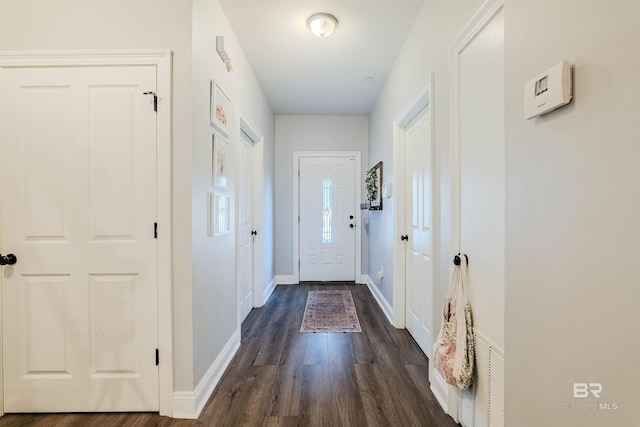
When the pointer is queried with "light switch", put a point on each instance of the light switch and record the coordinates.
(387, 190)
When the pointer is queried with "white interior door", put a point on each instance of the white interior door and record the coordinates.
(482, 176)
(327, 218)
(245, 267)
(79, 309)
(419, 229)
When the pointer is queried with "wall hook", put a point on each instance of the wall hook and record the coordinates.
(456, 259)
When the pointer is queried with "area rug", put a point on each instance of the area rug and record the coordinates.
(330, 311)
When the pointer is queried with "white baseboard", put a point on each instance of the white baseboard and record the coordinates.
(439, 388)
(268, 291)
(189, 404)
(285, 279)
(380, 299)
(184, 405)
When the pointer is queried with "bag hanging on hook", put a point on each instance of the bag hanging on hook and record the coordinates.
(454, 350)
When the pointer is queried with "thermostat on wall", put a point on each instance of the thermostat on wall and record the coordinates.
(549, 90)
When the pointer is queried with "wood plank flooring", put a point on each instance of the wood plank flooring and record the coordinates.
(282, 377)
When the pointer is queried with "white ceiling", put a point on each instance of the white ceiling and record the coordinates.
(303, 74)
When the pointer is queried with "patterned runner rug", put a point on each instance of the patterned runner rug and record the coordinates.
(330, 311)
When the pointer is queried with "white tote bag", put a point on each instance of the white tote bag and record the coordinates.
(454, 351)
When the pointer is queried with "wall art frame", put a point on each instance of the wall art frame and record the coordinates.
(373, 184)
(220, 109)
(219, 161)
(218, 214)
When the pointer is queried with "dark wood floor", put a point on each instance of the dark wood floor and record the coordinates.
(282, 377)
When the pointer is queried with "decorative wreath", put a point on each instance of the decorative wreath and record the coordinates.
(371, 181)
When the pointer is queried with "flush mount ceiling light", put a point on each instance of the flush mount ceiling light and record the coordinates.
(322, 24)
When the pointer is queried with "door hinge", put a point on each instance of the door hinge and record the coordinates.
(155, 100)
(155, 230)
(157, 357)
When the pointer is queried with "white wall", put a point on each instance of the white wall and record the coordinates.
(123, 24)
(573, 186)
(214, 263)
(309, 133)
(426, 50)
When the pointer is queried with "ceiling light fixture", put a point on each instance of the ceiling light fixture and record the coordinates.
(322, 24)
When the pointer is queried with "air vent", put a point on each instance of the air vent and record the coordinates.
(483, 404)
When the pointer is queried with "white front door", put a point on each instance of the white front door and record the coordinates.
(245, 195)
(79, 308)
(327, 218)
(419, 229)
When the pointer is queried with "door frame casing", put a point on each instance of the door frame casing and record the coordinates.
(297, 155)
(162, 60)
(246, 125)
(422, 98)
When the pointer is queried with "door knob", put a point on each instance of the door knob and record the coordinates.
(351, 225)
(404, 237)
(8, 259)
(350, 216)
(254, 232)
(456, 259)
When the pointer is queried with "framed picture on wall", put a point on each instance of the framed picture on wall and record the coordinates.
(220, 109)
(218, 214)
(219, 161)
(373, 183)
(222, 214)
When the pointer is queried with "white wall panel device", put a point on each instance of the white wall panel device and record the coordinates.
(549, 90)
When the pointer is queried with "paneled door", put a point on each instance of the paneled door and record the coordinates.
(327, 218)
(245, 194)
(79, 308)
(419, 228)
